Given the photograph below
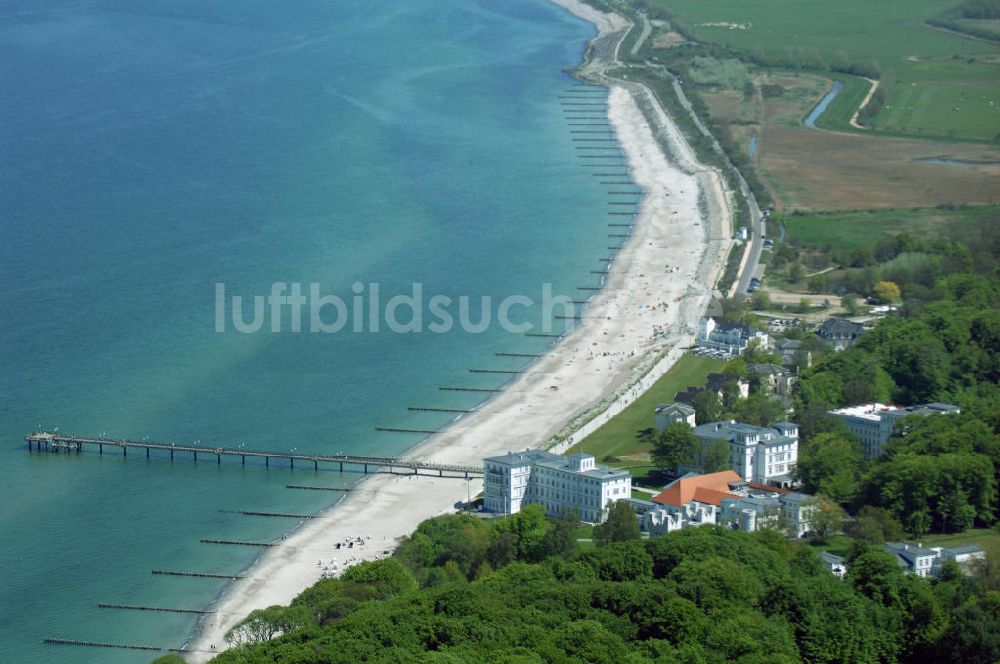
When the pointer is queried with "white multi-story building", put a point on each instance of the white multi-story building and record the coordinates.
(765, 455)
(559, 484)
(873, 423)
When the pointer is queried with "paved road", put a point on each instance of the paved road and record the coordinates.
(756, 225)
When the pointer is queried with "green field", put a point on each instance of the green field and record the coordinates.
(858, 228)
(962, 109)
(887, 33)
(619, 438)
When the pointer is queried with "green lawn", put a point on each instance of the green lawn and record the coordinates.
(838, 545)
(619, 438)
(888, 33)
(857, 228)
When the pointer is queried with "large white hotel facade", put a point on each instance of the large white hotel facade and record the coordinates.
(557, 483)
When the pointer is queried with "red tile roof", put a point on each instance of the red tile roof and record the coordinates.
(709, 489)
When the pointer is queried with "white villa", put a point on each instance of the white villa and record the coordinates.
(765, 455)
(873, 423)
(730, 337)
(557, 483)
(724, 498)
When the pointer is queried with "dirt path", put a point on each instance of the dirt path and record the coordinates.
(864, 102)
(646, 29)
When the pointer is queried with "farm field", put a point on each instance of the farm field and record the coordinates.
(889, 32)
(851, 229)
(940, 66)
(936, 108)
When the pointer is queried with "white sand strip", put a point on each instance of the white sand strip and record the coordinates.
(631, 333)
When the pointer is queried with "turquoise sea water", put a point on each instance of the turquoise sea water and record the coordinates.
(150, 149)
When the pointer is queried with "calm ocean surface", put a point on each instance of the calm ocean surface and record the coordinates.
(150, 149)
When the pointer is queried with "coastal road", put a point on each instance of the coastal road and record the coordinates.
(756, 223)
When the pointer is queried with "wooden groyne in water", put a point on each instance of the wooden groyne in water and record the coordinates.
(237, 542)
(277, 514)
(133, 607)
(201, 575)
(99, 644)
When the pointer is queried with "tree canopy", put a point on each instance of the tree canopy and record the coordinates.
(700, 594)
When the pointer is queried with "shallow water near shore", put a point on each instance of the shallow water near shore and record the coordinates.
(154, 149)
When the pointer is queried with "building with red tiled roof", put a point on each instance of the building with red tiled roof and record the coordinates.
(684, 490)
(724, 498)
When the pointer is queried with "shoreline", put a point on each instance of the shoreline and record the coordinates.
(661, 279)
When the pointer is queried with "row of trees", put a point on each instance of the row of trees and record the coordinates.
(701, 594)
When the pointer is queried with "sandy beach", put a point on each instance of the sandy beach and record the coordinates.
(631, 333)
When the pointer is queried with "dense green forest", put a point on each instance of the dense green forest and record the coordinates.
(520, 590)
(940, 473)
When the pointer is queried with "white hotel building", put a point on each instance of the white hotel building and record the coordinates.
(557, 483)
(874, 423)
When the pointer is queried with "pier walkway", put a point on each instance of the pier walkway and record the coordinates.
(55, 442)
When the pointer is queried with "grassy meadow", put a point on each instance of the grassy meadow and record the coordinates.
(856, 228)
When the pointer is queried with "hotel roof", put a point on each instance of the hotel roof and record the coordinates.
(868, 411)
(600, 472)
(709, 489)
(522, 458)
(555, 462)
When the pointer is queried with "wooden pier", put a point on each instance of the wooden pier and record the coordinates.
(54, 442)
